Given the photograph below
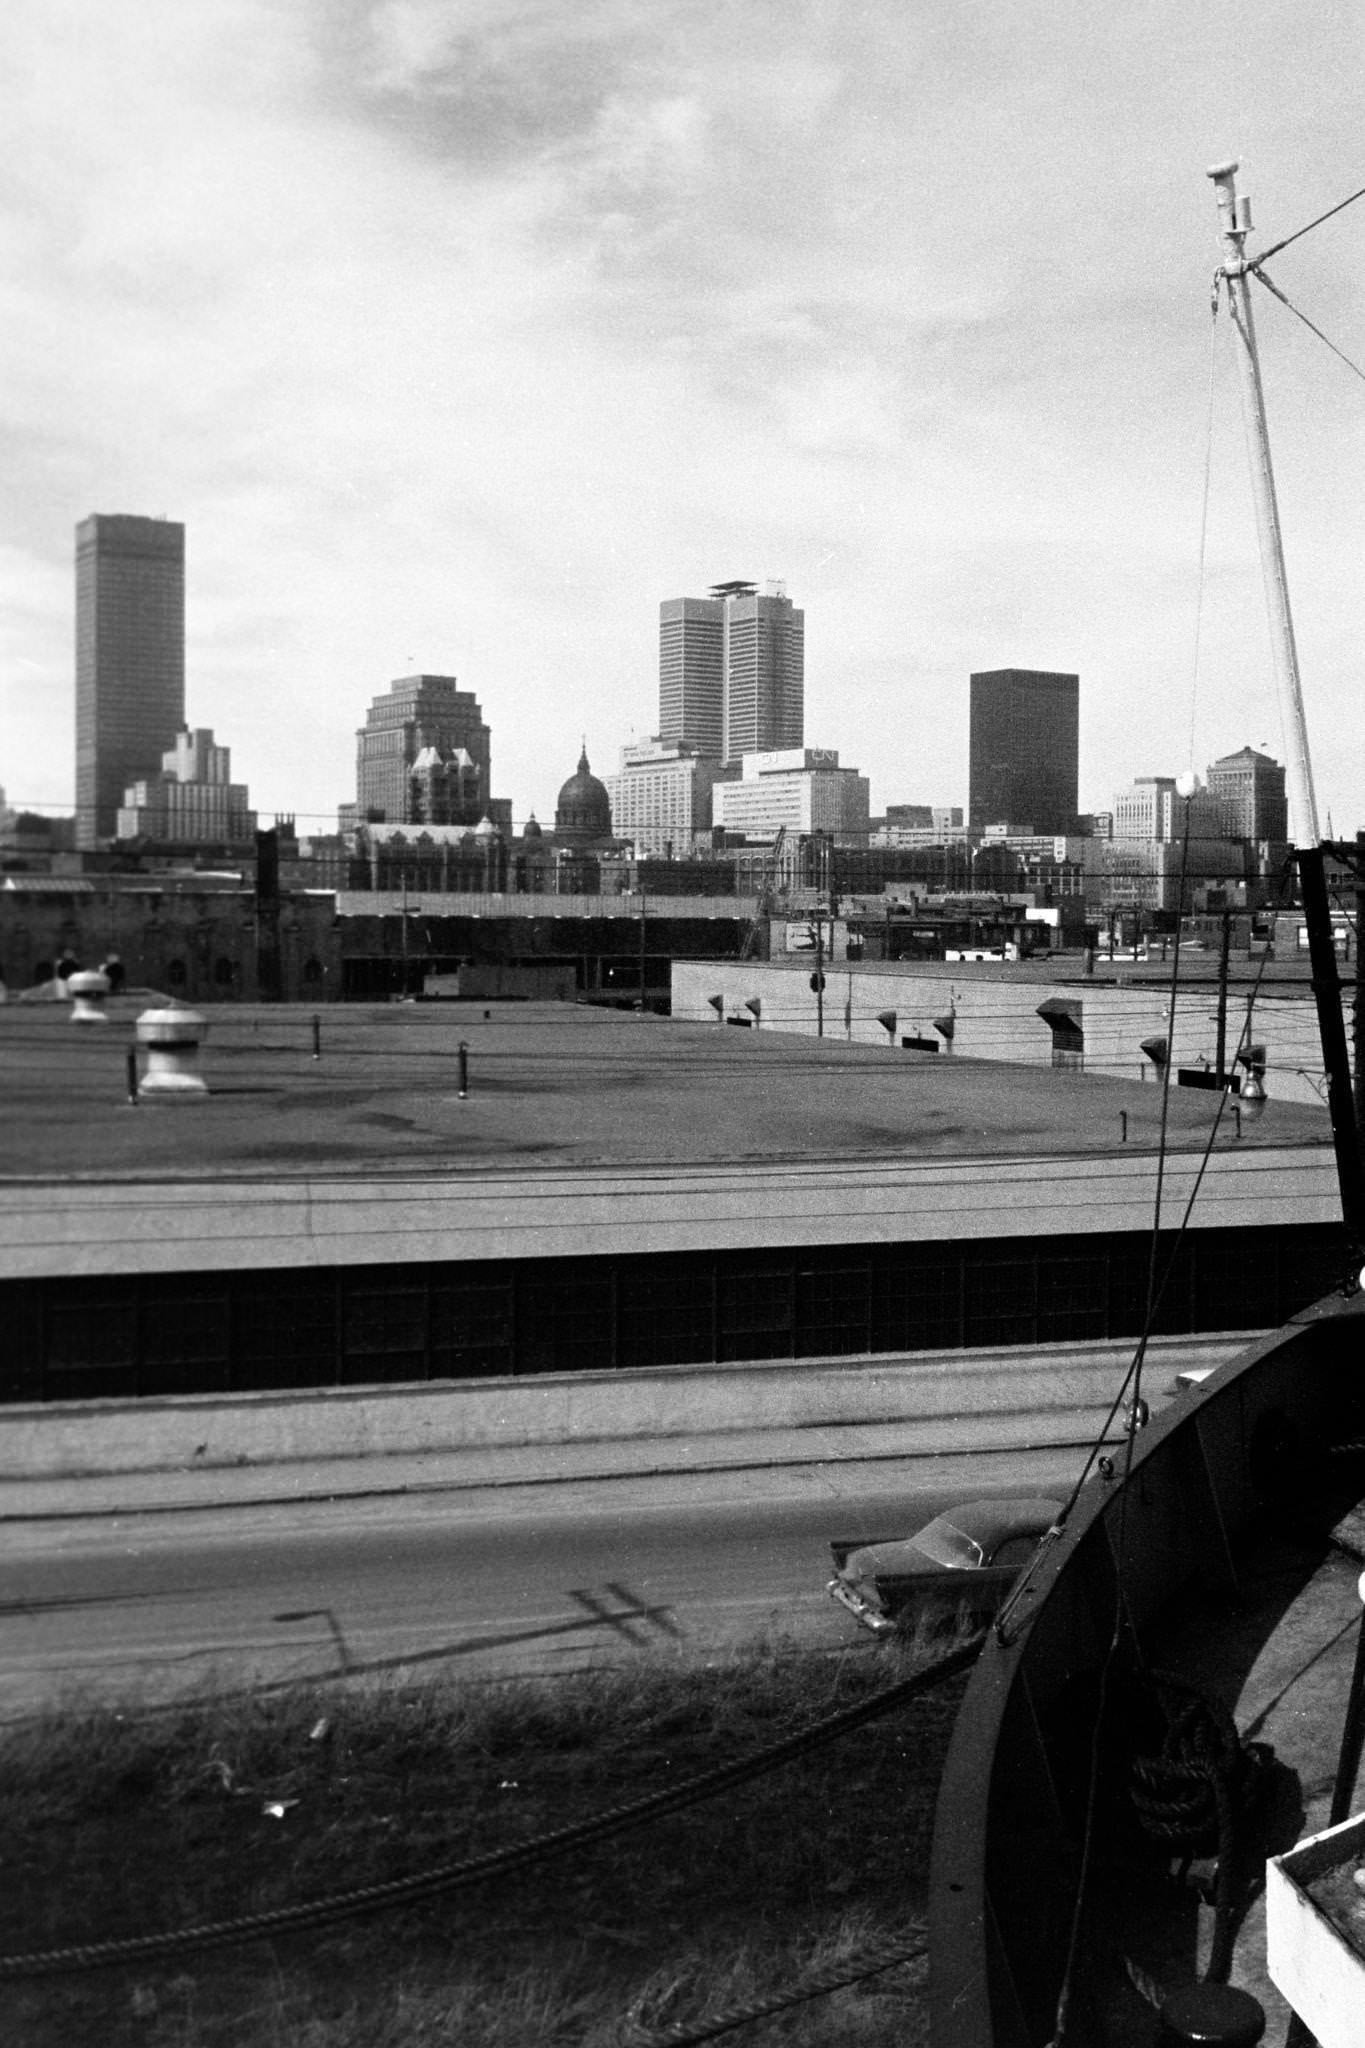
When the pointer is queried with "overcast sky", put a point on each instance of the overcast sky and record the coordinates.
(461, 332)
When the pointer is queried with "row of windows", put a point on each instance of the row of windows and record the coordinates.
(226, 972)
(159, 1334)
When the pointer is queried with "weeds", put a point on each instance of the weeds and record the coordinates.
(117, 1824)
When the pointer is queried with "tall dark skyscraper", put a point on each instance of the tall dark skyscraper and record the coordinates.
(1024, 765)
(130, 659)
(732, 671)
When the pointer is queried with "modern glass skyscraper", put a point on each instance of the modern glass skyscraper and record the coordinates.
(1024, 760)
(692, 674)
(732, 671)
(130, 659)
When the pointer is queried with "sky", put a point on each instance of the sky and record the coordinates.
(459, 333)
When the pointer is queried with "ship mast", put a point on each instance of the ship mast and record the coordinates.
(1234, 215)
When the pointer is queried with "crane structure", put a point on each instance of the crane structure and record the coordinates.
(767, 895)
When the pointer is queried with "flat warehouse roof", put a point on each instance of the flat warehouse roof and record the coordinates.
(587, 1132)
(551, 1086)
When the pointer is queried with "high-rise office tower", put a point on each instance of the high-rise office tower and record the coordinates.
(130, 659)
(1024, 761)
(1251, 788)
(692, 674)
(422, 755)
(732, 671)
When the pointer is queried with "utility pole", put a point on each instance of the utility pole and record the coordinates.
(1224, 949)
(1235, 220)
(642, 952)
(819, 973)
(403, 921)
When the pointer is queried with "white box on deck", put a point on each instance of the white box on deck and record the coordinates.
(1310, 1960)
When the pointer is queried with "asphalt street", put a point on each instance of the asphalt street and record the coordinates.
(540, 1579)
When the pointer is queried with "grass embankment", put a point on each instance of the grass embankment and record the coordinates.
(115, 1824)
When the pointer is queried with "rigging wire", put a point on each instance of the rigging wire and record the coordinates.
(1273, 288)
(1134, 1374)
(1089, 1828)
(1204, 510)
(1243, 1045)
(1298, 233)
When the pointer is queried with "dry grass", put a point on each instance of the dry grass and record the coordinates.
(118, 1823)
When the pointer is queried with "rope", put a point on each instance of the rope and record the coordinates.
(1339, 353)
(870, 1962)
(449, 1877)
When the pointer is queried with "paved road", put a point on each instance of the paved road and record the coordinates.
(546, 1579)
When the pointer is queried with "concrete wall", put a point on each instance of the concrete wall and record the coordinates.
(211, 1225)
(946, 1401)
(997, 1018)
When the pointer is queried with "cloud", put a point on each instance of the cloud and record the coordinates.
(460, 332)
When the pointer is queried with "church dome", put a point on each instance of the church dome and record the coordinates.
(583, 812)
(532, 830)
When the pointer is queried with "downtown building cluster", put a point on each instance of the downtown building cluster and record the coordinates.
(724, 800)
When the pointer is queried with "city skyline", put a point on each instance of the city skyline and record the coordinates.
(456, 337)
(411, 759)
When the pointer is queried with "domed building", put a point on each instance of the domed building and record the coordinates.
(583, 812)
(583, 850)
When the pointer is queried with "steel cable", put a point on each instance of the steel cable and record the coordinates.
(871, 1962)
(450, 1877)
(1340, 354)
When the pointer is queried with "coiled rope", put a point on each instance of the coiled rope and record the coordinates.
(1195, 1792)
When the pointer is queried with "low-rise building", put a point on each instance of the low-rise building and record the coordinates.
(918, 825)
(193, 801)
(800, 788)
(661, 795)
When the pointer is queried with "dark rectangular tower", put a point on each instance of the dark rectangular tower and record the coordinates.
(1024, 761)
(130, 659)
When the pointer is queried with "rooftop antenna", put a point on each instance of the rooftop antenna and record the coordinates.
(1234, 215)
